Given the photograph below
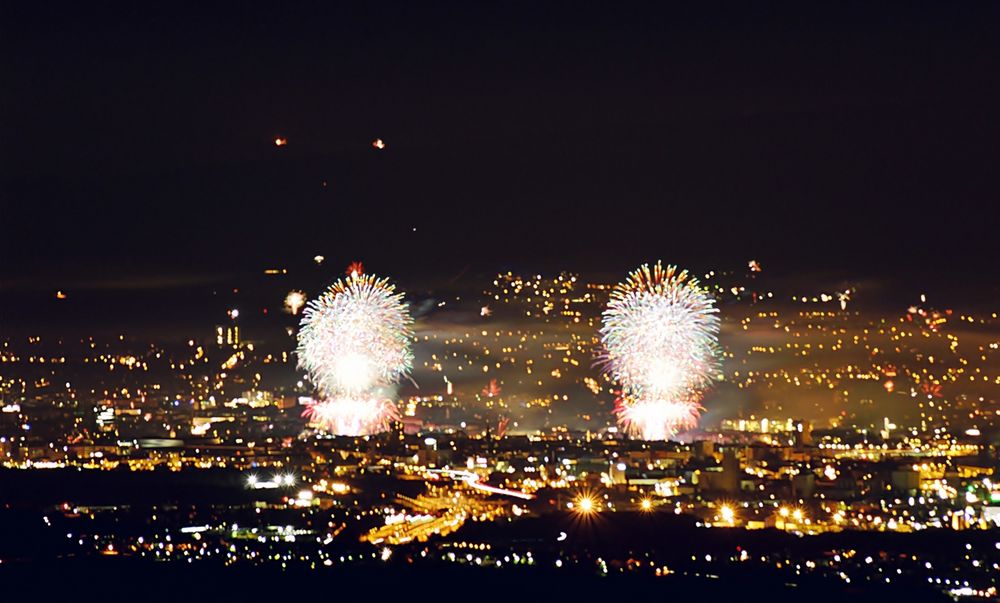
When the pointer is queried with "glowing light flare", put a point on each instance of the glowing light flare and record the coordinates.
(728, 514)
(379, 144)
(585, 504)
(294, 301)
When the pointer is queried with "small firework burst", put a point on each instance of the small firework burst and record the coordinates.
(355, 269)
(492, 390)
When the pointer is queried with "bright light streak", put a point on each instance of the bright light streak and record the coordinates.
(472, 480)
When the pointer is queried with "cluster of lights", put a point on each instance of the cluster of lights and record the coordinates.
(285, 480)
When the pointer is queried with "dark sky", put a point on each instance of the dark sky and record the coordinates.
(137, 138)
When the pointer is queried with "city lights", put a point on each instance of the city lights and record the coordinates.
(206, 392)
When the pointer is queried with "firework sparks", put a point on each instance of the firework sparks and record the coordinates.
(844, 297)
(355, 269)
(660, 336)
(656, 419)
(492, 390)
(354, 341)
(352, 415)
(294, 302)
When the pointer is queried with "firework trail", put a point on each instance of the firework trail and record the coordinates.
(354, 341)
(660, 335)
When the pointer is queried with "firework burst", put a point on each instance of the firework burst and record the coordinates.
(354, 341)
(352, 415)
(656, 419)
(660, 337)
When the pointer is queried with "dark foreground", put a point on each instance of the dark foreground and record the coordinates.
(124, 579)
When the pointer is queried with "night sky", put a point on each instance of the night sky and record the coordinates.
(138, 139)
